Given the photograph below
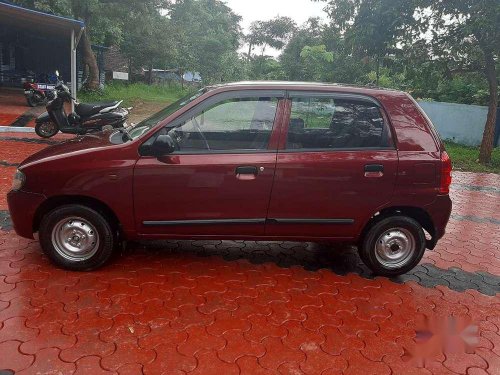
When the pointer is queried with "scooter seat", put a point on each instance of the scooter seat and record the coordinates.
(90, 109)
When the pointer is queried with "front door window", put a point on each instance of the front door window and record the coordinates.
(235, 124)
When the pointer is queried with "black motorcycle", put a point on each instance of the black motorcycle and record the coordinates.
(86, 118)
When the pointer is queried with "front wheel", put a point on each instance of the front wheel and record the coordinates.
(76, 237)
(393, 246)
(46, 129)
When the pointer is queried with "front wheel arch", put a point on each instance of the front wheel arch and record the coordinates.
(93, 203)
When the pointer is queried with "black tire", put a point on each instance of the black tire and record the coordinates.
(35, 100)
(96, 227)
(393, 229)
(40, 129)
(31, 102)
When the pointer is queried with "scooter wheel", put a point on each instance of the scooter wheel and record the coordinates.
(35, 100)
(46, 129)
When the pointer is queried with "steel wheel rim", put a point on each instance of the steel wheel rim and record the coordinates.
(47, 128)
(75, 239)
(395, 247)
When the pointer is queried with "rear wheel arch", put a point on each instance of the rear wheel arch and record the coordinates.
(93, 203)
(416, 213)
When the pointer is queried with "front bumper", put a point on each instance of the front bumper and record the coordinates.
(22, 209)
(439, 211)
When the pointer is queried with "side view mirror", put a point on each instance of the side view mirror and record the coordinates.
(163, 145)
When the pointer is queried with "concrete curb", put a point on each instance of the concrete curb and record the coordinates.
(16, 129)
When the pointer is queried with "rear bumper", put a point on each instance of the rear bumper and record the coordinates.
(439, 211)
(22, 209)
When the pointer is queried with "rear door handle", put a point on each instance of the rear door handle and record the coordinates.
(374, 170)
(246, 173)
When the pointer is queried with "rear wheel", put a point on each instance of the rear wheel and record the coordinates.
(31, 102)
(76, 237)
(46, 129)
(34, 100)
(393, 246)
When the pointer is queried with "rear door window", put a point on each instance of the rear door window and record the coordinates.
(323, 122)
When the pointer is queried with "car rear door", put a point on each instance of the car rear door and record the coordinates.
(336, 166)
(219, 180)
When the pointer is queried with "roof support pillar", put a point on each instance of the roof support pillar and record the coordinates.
(73, 69)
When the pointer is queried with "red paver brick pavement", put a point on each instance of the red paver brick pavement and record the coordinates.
(13, 105)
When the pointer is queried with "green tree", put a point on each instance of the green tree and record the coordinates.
(104, 20)
(316, 61)
(466, 38)
(374, 28)
(308, 35)
(274, 33)
(346, 67)
(208, 33)
(255, 37)
(151, 44)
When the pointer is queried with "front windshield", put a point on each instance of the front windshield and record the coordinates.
(144, 126)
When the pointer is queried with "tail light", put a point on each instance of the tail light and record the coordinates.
(29, 86)
(444, 187)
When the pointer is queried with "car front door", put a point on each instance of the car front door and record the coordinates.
(218, 181)
(336, 166)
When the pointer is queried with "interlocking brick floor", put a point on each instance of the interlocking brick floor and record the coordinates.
(234, 307)
(14, 111)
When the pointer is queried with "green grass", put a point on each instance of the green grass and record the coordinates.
(133, 93)
(465, 158)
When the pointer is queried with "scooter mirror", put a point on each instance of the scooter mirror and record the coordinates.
(57, 73)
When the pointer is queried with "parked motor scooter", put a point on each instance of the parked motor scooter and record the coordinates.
(86, 118)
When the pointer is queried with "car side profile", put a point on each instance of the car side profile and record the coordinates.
(248, 161)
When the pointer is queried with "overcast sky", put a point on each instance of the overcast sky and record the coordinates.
(262, 10)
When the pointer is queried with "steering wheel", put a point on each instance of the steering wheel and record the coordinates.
(198, 129)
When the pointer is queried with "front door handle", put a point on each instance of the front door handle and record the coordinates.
(374, 170)
(246, 173)
(246, 170)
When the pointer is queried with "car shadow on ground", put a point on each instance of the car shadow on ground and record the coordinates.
(338, 258)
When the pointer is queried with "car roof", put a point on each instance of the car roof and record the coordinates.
(290, 85)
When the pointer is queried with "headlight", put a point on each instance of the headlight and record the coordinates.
(19, 180)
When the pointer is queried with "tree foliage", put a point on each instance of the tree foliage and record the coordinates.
(274, 33)
(317, 61)
(466, 38)
(208, 34)
(105, 22)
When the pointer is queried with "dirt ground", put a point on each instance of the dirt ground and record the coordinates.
(143, 110)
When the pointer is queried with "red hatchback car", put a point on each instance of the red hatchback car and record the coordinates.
(248, 161)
